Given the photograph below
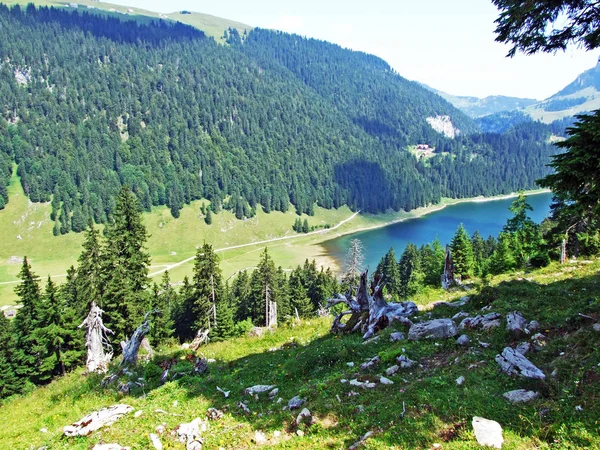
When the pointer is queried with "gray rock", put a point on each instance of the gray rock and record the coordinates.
(463, 339)
(516, 324)
(404, 362)
(459, 316)
(520, 395)
(370, 363)
(432, 329)
(259, 389)
(523, 348)
(384, 380)
(539, 341)
(513, 363)
(596, 327)
(364, 385)
(460, 380)
(487, 432)
(154, 439)
(295, 402)
(260, 438)
(273, 393)
(392, 370)
(488, 321)
(304, 416)
(534, 325)
(397, 336)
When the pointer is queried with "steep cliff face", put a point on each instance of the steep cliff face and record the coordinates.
(443, 125)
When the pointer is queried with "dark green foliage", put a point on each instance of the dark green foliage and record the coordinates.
(224, 327)
(183, 313)
(164, 299)
(391, 273)
(532, 27)
(297, 293)
(411, 276)
(90, 280)
(10, 384)
(462, 252)
(432, 262)
(274, 120)
(208, 217)
(125, 267)
(263, 284)
(208, 287)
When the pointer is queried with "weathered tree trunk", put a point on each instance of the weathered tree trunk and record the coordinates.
(201, 338)
(448, 277)
(132, 346)
(96, 341)
(369, 313)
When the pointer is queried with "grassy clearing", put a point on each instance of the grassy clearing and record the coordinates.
(306, 360)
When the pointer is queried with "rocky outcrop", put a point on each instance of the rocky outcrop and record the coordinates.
(512, 362)
(520, 396)
(443, 125)
(487, 432)
(432, 329)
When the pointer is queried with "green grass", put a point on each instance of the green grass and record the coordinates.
(211, 25)
(306, 360)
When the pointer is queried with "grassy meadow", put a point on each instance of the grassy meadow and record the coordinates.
(424, 406)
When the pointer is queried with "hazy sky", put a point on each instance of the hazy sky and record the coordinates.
(448, 45)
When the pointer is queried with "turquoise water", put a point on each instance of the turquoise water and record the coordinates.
(488, 217)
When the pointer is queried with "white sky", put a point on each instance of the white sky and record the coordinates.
(448, 45)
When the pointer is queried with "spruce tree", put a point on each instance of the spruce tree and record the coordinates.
(390, 272)
(183, 312)
(208, 286)
(90, 282)
(263, 284)
(239, 297)
(125, 267)
(224, 327)
(164, 299)
(409, 268)
(297, 294)
(10, 384)
(462, 252)
(478, 245)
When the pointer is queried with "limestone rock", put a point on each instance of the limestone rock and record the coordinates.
(404, 362)
(259, 389)
(487, 432)
(520, 396)
(364, 385)
(523, 348)
(384, 380)
(304, 416)
(516, 324)
(189, 434)
(392, 370)
(463, 339)
(397, 336)
(486, 322)
(432, 329)
(295, 403)
(370, 363)
(273, 393)
(459, 316)
(97, 419)
(513, 363)
(534, 325)
(260, 438)
(154, 439)
(460, 380)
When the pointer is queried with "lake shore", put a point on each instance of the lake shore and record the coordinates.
(324, 259)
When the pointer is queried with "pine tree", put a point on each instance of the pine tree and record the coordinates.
(390, 272)
(263, 284)
(183, 312)
(224, 327)
(125, 267)
(462, 252)
(208, 217)
(305, 226)
(90, 282)
(409, 268)
(26, 360)
(208, 287)
(239, 297)
(10, 384)
(478, 245)
(299, 301)
(164, 299)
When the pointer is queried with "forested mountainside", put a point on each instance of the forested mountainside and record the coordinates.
(91, 103)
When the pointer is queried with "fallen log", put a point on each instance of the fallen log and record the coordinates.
(369, 312)
(97, 420)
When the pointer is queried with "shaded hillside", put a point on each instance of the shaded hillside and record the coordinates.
(91, 103)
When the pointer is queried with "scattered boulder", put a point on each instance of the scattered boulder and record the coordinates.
(516, 324)
(539, 341)
(404, 362)
(189, 434)
(260, 438)
(259, 389)
(460, 380)
(295, 403)
(392, 370)
(487, 432)
(534, 325)
(273, 393)
(486, 322)
(596, 327)
(397, 336)
(214, 414)
(463, 339)
(304, 416)
(370, 363)
(459, 316)
(513, 363)
(520, 396)
(97, 419)
(364, 385)
(432, 329)
(384, 380)
(155, 441)
(350, 364)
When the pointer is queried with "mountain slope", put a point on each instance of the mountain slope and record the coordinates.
(476, 107)
(211, 25)
(92, 103)
(582, 95)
